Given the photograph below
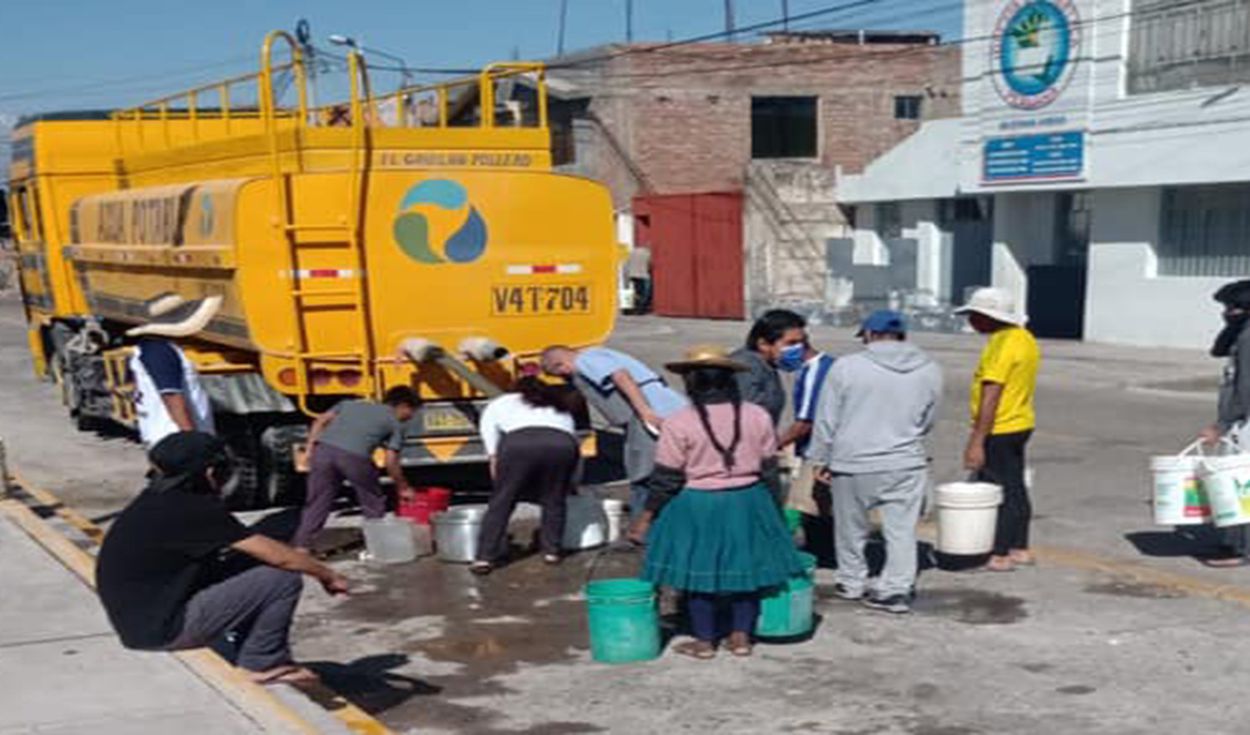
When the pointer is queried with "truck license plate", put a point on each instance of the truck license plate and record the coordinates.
(545, 299)
(446, 419)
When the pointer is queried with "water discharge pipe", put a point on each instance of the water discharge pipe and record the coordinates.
(422, 350)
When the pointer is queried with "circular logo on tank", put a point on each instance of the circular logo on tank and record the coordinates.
(436, 223)
(1035, 51)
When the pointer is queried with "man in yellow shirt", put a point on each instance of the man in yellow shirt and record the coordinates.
(1003, 418)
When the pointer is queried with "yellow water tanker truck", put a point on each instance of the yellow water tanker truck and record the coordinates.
(414, 238)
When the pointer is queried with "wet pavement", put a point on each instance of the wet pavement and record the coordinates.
(429, 647)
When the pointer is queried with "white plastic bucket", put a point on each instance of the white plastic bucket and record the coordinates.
(585, 523)
(1179, 496)
(967, 513)
(614, 510)
(1227, 482)
(389, 540)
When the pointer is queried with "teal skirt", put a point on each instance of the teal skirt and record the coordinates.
(721, 542)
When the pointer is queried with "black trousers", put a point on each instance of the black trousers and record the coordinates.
(1004, 465)
(538, 465)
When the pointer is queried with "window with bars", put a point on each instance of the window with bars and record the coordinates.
(1194, 43)
(1204, 231)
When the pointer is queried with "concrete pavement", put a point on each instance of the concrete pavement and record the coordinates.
(63, 671)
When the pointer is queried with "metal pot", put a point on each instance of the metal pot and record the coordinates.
(456, 531)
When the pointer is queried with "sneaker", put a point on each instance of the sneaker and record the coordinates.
(897, 604)
(846, 593)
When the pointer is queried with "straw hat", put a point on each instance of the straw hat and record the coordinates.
(170, 315)
(706, 356)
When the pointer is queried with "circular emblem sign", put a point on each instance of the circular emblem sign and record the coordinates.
(1035, 51)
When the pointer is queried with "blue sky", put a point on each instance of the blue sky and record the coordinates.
(59, 54)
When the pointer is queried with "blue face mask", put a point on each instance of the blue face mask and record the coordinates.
(791, 359)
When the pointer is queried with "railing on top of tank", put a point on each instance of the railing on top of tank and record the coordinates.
(479, 101)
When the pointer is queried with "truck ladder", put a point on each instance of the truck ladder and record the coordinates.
(354, 296)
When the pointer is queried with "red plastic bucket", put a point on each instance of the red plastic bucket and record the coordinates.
(427, 502)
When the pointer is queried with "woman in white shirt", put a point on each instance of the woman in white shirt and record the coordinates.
(531, 438)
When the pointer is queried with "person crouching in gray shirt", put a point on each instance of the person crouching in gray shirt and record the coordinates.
(875, 411)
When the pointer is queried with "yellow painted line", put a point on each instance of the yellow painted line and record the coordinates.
(1085, 561)
(250, 697)
(66, 513)
(1192, 586)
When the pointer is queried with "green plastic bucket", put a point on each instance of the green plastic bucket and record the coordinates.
(624, 624)
(794, 519)
(787, 611)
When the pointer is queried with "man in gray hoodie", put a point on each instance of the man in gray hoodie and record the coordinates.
(875, 411)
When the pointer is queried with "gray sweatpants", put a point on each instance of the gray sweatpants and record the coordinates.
(257, 606)
(900, 497)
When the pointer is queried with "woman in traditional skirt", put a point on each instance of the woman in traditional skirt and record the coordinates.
(719, 538)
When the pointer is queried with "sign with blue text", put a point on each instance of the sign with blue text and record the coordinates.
(1035, 106)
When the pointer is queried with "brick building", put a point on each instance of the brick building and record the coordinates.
(770, 121)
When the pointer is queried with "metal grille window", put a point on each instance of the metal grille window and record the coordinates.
(783, 127)
(1203, 232)
(1178, 44)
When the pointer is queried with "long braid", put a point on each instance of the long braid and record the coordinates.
(721, 385)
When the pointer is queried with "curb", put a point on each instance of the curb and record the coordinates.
(254, 700)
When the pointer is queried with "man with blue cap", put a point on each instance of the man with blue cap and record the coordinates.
(876, 410)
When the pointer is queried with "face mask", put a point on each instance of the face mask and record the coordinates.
(791, 359)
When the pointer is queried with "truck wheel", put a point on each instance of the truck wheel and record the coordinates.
(281, 484)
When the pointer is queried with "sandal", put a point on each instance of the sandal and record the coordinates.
(1226, 562)
(739, 646)
(700, 650)
(290, 674)
(998, 565)
(481, 568)
(1023, 559)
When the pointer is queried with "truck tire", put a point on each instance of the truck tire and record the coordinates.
(282, 485)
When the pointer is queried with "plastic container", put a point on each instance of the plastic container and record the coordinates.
(787, 612)
(389, 540)
(967, 513)
(456, 532)
(1179, 496)
(614, 512)
(585, 523)
(427, 502)
(794, 519)
(623, 620)
(1227, 482)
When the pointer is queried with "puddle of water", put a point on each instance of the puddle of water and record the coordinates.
(1076, 689)
(1139, 590)
(974, 607)
(524, 614)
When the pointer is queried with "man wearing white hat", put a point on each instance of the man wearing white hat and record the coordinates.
(1003, 418)
(168, 395)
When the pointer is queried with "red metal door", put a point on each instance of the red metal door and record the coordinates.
(696, 253)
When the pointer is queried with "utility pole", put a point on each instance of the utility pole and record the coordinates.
(785, 15)
(629, 21)
(564, 14)
(729, 20)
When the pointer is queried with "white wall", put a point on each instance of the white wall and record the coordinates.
(1175, 137)
(1126, 302)
(1024, 235)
